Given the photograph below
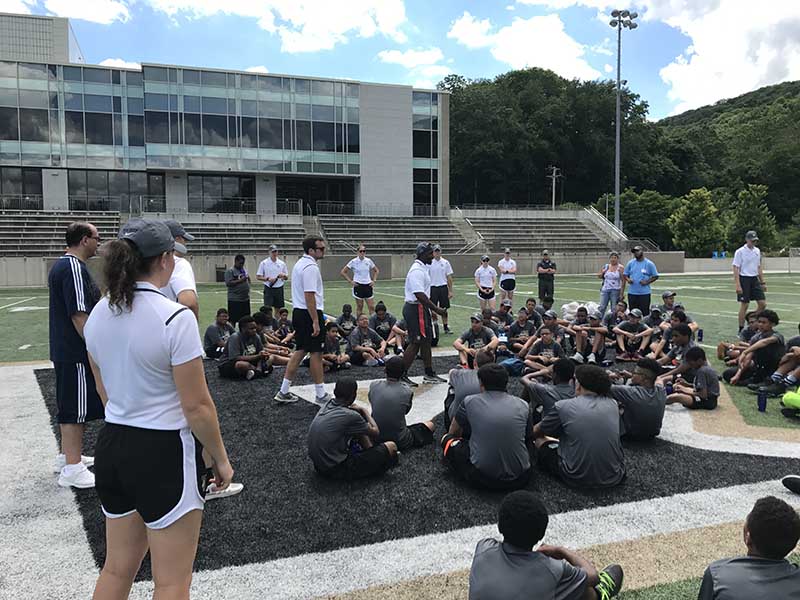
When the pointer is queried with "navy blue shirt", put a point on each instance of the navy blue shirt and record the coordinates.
(72, 290)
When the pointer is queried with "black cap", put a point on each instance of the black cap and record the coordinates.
(422, 248)
(751, 235)
(550, 314)
(668, 294)
(655, 308)
(273, 248)
(151, 238)
(178, 230)
(637, 248)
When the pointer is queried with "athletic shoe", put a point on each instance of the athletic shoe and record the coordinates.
(346, 365)
(405, 379)
(61, 462)
(754, 387)
(447, 329)
(792, 483)
(577, 357)
(774, 389)
(321, 400)
(591, 359)
(250, 374)
(81, 477)
(372, 362)
(287, 398)
(610, 582)
(381, 362)
(790, 413)
(433, 378)
(213, 494)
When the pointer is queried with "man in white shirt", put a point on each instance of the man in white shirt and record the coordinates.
(441, 283)
(308, 303)
(182, 287)
(508, 275)
(417, 314)
(273, 272)
(748, 276)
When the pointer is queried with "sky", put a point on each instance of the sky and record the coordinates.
(683, 54)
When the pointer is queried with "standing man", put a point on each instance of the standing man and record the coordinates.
(308, 302)
(441, 284)
(417, 314)
(238, 282)
(508, 276)
(182, 287)
(748, 276)
(273, 272)
(546, 270)
(73, 295)
(639, 273)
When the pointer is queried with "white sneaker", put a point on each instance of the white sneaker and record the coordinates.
(61, 462)
(79, 477)
(592, 359)
(212, 493)
(371, 362)
(578, 357)
(323, 400)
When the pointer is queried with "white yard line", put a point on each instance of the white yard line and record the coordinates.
(17, 302)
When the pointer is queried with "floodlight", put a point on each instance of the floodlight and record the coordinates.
(615, 13)
(634, 15)
(614, 23)
(625, 14)
(632, 25)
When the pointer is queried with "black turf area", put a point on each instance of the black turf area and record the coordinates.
(286, 509)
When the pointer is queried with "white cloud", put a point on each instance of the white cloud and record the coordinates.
(606, 48)
(608, 68)
(411, 58)
(257, 69)
(511, 7)
(96, 11)
(471, 32)
(425, 84)
(562, 4)
(435, 71)
(120, 63)
(22, 7)
(306, 26)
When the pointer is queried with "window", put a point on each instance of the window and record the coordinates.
(156, 74)
(97, 75)
(322, 113)
(422, 193)
(249, 132)
(117, 122)
(422, 175)
(34, 99)
(191, 77)
(215, 130)
(352, 115)
(98, 129)
(118, 183)
(32, 71)
(340, 138)
(434, 145)
(352, 139)
(191, 104)
(73, 101)
(191, 129)
(97, 183)
(8, 97)
(74, 127)
(137, 183)
(303, 135)
(288, 134)
(72, 74)
(322, 88)
(117, 104)
(323, 137)
(97, 103)
(133, 79)
(270, 134)
(249, 108)
(156, 127)
(9, 124)
(302, 111)
(422, 144)
(76, 183)
(174, 128)
(271, 84)
(55, 129)
(422, 122)
(173, 75)
(135, 131)
(214, 78)
(270, 110)
(421, 99)
(8, 69)
(33, 125)
(233, 137)
(115, 77)
(32, 182)
(53, 101)
(301, 86)
(352, 90)
(155, 184)
(156, 101)
(434, 123)
(195, 186)
(212, 186)
(215, 105)
(434, 99)
(249, 82)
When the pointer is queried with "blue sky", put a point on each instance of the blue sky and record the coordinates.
(684, 54)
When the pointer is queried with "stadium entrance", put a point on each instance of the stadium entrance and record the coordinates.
(319, 196)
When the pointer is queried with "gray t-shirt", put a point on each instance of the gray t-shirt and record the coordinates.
(546, 395)
(677, 353)
(477, 340)
(391, 401)
(216, 334)
(365, 339)
(589, 449)
(330, 433)
(237, 345)
(464, 383)
(239, 292)
(382, 327)
(501, 571)
(500, 426)
(706, 378)
(551, 350)
(752, 578)
(643, 410)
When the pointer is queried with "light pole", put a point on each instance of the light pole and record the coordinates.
(620, 19)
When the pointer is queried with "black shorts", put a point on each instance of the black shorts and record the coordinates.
(751, 289)
(76, 393)
(420, 436)
(710, 403)
(158, 474)
(238, 309)
(457, 457)
(547, 458)
(484, 296)
(640, 301)
(418, 323)
(274, 297)
(303, 328)
(440, 296)
(508, 284)
(228, 370)
(367, 463)
(363, 291)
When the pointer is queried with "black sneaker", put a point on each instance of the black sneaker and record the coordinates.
(754, 387)
(447, 329)
(774, 389)
(433, 378)
(610, 582)
(790, 413)
(405, 379)
(792, 483)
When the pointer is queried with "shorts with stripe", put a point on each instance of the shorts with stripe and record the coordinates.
(508, 284)
(362, 291)
(418, 322)
(76, 393)
(159, 474)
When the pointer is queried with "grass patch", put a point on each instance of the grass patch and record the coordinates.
(747, 406)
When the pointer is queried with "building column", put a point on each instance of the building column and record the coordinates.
(55, 191)
(176, 186)
(266, 198)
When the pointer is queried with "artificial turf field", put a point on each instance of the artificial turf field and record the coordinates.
(409, 535)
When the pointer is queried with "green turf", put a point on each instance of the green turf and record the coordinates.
(708, 298)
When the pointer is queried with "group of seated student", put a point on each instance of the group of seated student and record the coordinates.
(477, 337)
(760, 359)
(729, 351)
(787, 374)
(347, 441)
(588, 336)
(217, 334)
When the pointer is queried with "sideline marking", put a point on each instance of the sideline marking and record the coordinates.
(18, 302)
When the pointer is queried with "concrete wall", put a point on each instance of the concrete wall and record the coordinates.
(55, 190)
(176, 185)
(386, 164)
(266, 189)
(725, 265)
(444, 153)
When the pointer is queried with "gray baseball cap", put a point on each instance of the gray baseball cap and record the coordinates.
(595, 316)
(668, 294)
(751, 235)
(550, 314)
(423, 247)
(273, 248)
(151, 238)
(437, 248)
(178, 230)
(655, 308)
(506, 302)
(507, 251)
(476, 317)
(636, 313)
(484, 257)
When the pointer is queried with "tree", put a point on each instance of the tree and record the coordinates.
(695, 224)
(643, 215)
(750, 211)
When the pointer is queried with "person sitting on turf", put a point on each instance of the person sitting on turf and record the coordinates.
(641, 403)
(364, 345)
(217, 334)
(581, 318)
(520, 331)
(477, 337)
(397, 339)
(346, 321)
(267, 325)
(703, 392)
(579, 440)
(667, 303)
(660, 348)
(533, 313)
(786, 375)
(285, 330)
(463, 383)
(590, 340)
(340, 439)
(545, 305)
(632, 337)
(244, 356)
(333, 358)
(503, 316)
(542, 397)
(382, 321)
(278, 353)
(542, 354)
(485, 280)
(730, 351)
(487, 317)
(674, 361)
(391, 400)
(771, 532)
(760, 359)
(512, 569)
(653, 322)
(496, 455)
(551, 322)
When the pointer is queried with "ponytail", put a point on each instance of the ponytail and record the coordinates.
(123, 266)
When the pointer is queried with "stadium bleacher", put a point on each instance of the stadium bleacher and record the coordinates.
(226, 237)
(531, 235)
(41, 233)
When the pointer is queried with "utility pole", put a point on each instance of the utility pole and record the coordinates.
(555, 173)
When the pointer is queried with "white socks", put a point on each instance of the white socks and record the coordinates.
(320, 389)
(285, 386)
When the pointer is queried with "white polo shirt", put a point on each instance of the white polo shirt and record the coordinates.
(306, 277)
(272, 268)
(747, 260)
(418, 279)
(486, 276)
(136, 351)
(182, 279)
(505, 265)
(440, 270)
(362, 269)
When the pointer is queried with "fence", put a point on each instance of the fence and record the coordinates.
(21, 202)
(212, 204)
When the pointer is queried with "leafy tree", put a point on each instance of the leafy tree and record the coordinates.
(643, 214)
(695, 224)
(750, 211)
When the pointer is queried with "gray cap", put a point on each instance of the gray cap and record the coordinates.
(637, 248)
(550, 314)
(547, 252)
(506, 302)
(476, 317)
(655, 308)
(636, 313)
(422, 248)
(751, 235)
(176, 229)
(522, 310)
(273, 248)
(668, 294)
(151, 238)
(678, 305)
(595, 316)
(437, 247)
(484, 257)
(507, 251)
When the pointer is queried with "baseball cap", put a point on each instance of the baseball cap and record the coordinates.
(507, 251)
(151, 238)
(678, 305)
(655, 308)
(437, 248)
(178, 230)
(595, 316)
(546, 252)
(522, 310)
(476, 317)
(668, 294)
(423, 247)
(506, 302)
(550, 314)
(637, 248)
(273, 248)
(751, 235)
(636, 313)
(484, 257)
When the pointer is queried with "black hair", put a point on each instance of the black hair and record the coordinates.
(753, 314)
(522, 519)
(238, 257)
(582, 308)
(265, 309)
(345, 390)
(282, 310)
(123, 267)
(679, 315)
(695, 353)
(544, 328)
(380, 306)
(245, 320)
(487, 311)
(493, 377)
(774, 527)
(682, 329)
(331, 325)
(222, 311)
(563, 370)
(651, 367)
(260, 318)
(769, 315)
(346, 307)
(625, 304)
(530, 300)
(310, 243)
(483, 357)
(594, 379)
(76, 232)
(394, 368)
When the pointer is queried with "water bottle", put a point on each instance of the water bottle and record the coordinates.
(699, 335)
(762, 400)
(668, 388)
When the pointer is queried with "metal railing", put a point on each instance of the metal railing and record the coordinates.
(335, 208)
(216, 204)
(471, 245)
(289, 206)
(95, 203)
(352, 247)
(425, 210)
(21, 202)
(147, 204)
(545, 207)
